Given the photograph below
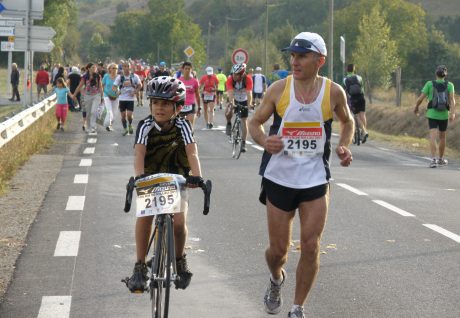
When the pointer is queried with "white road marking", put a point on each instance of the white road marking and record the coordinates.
(384, 149)
(89, 150)
(350, 188)
(75, 203)
(92, 140)
(249, 142)
(92, 133)
(80, 178)
(86, 162)
(55, 307)
(68, 243)
(258, 147)
(392, 208)
(444, 232)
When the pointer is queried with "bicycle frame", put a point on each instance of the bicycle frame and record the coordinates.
(237, 133)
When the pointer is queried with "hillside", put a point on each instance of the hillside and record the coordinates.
(438, 8)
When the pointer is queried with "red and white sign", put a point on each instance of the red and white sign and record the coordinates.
(240, 56)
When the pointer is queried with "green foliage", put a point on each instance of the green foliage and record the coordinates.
(376, 52)
(449, 26)
(98, 49)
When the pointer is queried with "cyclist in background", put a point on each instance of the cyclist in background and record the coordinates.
(354, 87)
(162, 71)
(164, 143)
(239, 91)
(222, 78)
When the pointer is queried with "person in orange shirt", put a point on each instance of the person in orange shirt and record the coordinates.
(42, 79)
(208, 86)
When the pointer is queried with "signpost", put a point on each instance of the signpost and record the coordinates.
(7, 46)
(342, 52)
(36, 32)
(240, 56)
(6, 30)
(18, 8)
(189, 52)
(37, 45)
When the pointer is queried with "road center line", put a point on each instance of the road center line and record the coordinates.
(89, 150)
(80, 178)
(68, 243)
(444, 232)
(86, 162)
(350, 188)
(392, 208)
(75, 203)
(92, 140)
(55, 307)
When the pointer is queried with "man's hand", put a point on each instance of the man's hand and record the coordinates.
(344, 155)
(452, 117)
(274, 144)
(416, 110)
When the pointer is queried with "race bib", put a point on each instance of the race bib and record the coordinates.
(186, 108)
(303, 139)
(208, 96)
(160, 195)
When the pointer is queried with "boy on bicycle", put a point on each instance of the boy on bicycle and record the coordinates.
(164, 143)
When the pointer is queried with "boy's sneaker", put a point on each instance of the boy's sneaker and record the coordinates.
(433, 163)
(184, 273)
(130, 129)
(137, 283)
(442, 162)
(273, 299)
(297, 313)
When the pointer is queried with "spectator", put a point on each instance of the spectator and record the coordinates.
(72, 82)
(14, 80)
(42, 80)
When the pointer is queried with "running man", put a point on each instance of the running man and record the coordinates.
(354, 88)
(441, 107)
(208, 86)
(222, 78)
(260, 86)
(295, 165)
(128, 85)
(239, 91)
(140, 95)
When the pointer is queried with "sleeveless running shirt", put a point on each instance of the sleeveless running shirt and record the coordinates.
(306, 134)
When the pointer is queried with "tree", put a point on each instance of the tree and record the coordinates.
(376, 53)
(98, 49)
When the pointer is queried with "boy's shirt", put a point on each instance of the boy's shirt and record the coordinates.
(165, 149)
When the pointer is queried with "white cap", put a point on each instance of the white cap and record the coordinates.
(258, 68)
(305, 42)
(209, 70)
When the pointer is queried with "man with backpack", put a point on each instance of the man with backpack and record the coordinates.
(441, 107)
(355, 93)
(128, 85)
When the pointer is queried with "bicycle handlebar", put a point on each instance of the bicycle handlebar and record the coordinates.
(205, 186)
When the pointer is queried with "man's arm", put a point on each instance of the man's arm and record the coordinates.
(272, 144)
(452, 106)
(420, 99)
(347, 124)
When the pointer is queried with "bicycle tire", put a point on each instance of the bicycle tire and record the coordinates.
(160, 289)
(237, 145)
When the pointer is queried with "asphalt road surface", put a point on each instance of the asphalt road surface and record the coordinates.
(391, 247)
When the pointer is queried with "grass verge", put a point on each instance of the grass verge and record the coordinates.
(15, 153)
(5, 110)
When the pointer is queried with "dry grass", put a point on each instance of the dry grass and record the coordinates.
(5, 110)
(16, 152)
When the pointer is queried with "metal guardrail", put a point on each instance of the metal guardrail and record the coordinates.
(12, 127)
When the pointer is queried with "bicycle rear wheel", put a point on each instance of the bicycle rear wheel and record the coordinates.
(236, 134)
(160, 281)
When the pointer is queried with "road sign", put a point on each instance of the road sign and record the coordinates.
(189, 51)
(6, 30)
(240, 56)
(11, 39)
(36, 32)
(7, 46)
(18, 8)
(37, 45)
(11, 21)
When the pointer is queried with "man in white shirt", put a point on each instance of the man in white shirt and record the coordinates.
(259, 88)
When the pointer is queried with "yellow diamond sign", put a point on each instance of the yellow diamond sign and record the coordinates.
(189, 51)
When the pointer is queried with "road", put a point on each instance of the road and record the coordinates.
(390, 248)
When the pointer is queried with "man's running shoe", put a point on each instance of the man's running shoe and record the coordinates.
(109, 128)
(58, 126)
(130, 128)
(228, 129)
(442, 162)
(273, 299)
(137, 283)
(366, 135)
(433, 163)
(125, 132)
(83, 128)
(297, 313)
(243, 146)
(184, 273)
(211, 125)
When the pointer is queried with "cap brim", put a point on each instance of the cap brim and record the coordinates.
(297, 49)
(209, 73)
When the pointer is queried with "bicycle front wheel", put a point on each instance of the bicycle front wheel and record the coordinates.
(160, 282)
(237, 144)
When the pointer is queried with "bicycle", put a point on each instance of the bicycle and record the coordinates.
(160, 195)
(236, 136)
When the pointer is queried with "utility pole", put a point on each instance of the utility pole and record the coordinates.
(226, 44)
(331, 39)
(266, 38)
(209, 43)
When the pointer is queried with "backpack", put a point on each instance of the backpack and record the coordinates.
(440, 99)
(353, 86)
(122, 80)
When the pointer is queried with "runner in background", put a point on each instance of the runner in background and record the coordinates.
(208, 86)
(192, 104)
(222, 78)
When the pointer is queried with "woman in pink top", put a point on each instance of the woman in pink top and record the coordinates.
(192, 104)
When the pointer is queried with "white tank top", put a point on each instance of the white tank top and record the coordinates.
(306, 133)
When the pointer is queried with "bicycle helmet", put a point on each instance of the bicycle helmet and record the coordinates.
(166, 88)
(239, 68)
